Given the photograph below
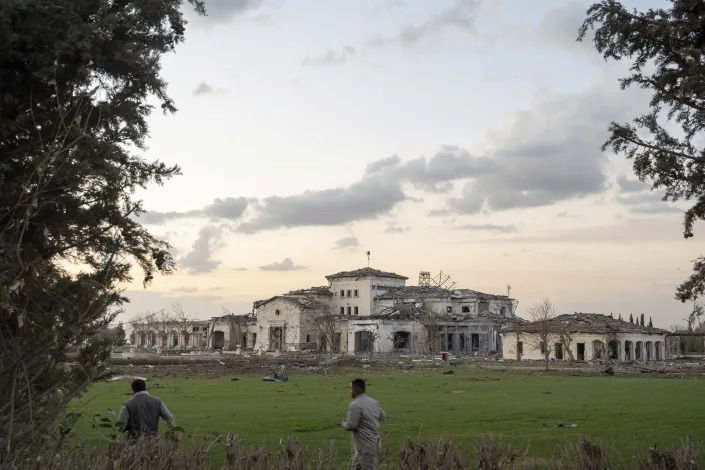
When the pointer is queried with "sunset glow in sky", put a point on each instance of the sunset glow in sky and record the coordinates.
(458, 135)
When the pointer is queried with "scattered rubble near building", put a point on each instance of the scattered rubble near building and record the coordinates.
(582, 337)
(170, 334)
(229, 332)
(373, 311)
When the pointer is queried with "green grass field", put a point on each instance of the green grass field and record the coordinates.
(624, 412)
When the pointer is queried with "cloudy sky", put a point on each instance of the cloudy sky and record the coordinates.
(452, 135)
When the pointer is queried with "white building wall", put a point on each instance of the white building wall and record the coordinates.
(288, 318)
(368, 289)
(383, 333)
(532, 350)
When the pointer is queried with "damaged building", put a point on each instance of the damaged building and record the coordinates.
(372, 311)
(583, 337)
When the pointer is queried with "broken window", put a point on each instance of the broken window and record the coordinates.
(659, 352)
(356, 293)
(542, 346)
(613, 348)
(277, 312)
(627, 350)
(342, 310)
(342, 293)
(597, 349)
(349, 310)
(475, 342)
(218, 340)
(449, 309)
(349, 293)
(558, 347)
(243, 340)
(308, 338)
(465, 309)
(581, 351)
(254, 339)
(356, 311)
(276, 339)
(336, 342)
(449, 341)
(483, 306)
(195, 328)
(503, 311)
(520, 347)
(364, 341)
(402, 340)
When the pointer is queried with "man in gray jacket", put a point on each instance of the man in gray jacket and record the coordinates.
(139, 416)
(364, 416)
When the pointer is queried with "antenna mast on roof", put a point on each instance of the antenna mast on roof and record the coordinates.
(368, 259)
(444, 281)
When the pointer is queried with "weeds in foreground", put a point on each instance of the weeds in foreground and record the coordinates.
(491, 453)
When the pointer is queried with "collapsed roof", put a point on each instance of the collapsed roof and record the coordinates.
(583, 323)
(421, 292)
(366, 272)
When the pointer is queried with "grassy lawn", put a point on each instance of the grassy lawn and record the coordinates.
(625, 412)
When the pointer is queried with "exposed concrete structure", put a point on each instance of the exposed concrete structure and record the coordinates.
(161, 335)
(369, 311)
(232, 332)
(584, 336)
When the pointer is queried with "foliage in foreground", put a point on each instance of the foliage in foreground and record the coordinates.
(490, 453)
(76, 78)
(664, 49)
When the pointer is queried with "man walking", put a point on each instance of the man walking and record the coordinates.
(364, 416)
(139, 416)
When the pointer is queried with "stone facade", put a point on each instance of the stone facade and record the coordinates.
(367, 311)
(584, 337)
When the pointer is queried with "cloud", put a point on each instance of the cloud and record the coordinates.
(450, 163)
(640, 199)
(330, 57)
(394, 228)
(459, 16)
(199, 260)
(365, 199)
(222, 11)
(203, 89)
(186, 290)
(285, 265)
(646, 202)
(626, 185)
(489, 228)
(559, 26)
(229, 208)
(550, 153)
(347, 243)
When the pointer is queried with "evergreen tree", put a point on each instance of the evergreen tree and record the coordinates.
(665, 49)
(77, 80)
(631, 318)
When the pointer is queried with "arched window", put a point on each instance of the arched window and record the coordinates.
(277, 312)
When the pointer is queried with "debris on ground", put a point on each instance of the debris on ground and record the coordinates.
(570, 425)
(122, 377)
(608, 371)
(278, 376)
(234, 379)
(449, 372)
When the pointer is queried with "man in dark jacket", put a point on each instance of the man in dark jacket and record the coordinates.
(139, 416)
